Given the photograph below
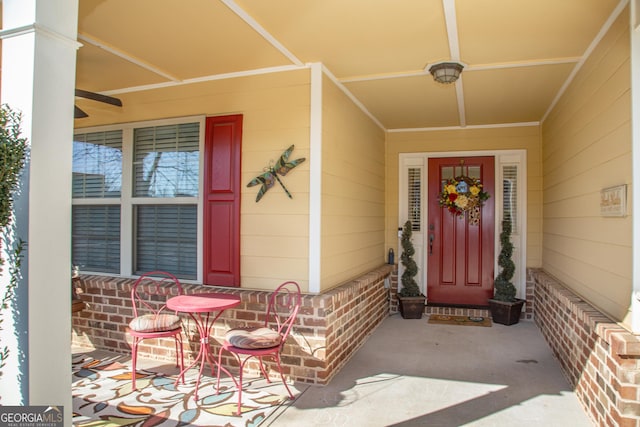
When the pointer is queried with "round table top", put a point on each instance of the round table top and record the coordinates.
(199, 303)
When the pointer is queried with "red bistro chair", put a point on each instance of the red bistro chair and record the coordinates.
(267, 340)
(150, 317)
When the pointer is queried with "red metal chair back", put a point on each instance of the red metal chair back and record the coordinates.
(151, 291)
(284, 304)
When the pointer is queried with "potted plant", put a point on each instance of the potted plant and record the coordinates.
(410, 299)
(505, 307)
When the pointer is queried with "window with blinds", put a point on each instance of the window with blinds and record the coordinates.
(96, 238)
(415, 191)
(97, 165)
(510, 194)
(166, 160)
(166, 239)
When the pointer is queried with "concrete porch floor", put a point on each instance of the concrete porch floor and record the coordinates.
(412, 373)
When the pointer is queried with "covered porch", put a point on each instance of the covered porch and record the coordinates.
(569, 114)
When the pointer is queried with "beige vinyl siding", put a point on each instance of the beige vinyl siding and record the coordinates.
(276, 110)
(353, 183)
(587, 147)
(510, 138)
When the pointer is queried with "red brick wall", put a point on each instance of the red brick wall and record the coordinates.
(600, 358)
(330, 327)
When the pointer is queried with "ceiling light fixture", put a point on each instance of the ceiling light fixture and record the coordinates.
(446, 72)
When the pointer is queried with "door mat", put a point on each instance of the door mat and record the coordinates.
(443, 319)
(102, 397)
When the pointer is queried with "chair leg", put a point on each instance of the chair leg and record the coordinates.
(181, 353)
(175, 342)
(264, 372)
(219, 364)
(238, 384)
(239, 387)
(134, 357)
(277, 356)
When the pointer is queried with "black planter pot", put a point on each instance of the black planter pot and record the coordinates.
(506, 313)
(411, 307)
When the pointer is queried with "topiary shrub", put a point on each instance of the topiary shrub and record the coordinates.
(409, 286)
(504, 289)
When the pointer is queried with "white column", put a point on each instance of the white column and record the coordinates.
(315, 180)
(38, 76)
(635, 138)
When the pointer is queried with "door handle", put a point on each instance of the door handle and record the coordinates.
(431, 238)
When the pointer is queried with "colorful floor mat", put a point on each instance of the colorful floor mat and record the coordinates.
(443, 319)
(102, 397)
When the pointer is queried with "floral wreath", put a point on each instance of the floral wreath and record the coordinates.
(464, 194)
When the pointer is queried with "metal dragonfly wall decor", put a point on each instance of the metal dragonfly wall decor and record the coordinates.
(270, 176)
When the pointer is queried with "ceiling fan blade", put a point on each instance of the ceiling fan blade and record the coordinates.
(98, 97)
(78, 113)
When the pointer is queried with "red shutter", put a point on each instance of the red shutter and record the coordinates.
(223, 141)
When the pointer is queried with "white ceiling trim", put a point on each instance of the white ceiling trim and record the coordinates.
(260, 30)
(213, 77)
(384, 76)
(603, 31)
(537, 63)
(462, 115)
(246, 74)
(355, 100)
(452, 28)
(104, 46)
(275, 43)
(467, 69)
(492, 126)
(451, 21)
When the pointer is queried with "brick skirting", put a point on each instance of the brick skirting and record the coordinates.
(329, 329)
(600, 358)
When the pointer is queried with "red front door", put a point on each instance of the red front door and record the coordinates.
(460, 254)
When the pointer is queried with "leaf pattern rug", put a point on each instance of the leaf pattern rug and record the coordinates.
(103, 397)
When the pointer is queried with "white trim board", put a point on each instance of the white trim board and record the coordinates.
(502, 158)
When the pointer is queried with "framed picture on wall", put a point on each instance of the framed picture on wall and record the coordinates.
(613, 201)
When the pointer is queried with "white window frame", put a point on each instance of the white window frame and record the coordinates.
(519, 234)
(127, 201)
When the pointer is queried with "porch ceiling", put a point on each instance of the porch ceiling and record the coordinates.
(518, 54)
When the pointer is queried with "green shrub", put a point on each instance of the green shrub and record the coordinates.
(504, 289)
(409, 286)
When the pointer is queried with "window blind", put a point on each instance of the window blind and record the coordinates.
(510, 194)
(415, 191)
(96, 238)
(166, 160)
(166, 239)
(97, 165)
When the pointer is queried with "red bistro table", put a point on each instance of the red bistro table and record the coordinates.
(200, 307)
